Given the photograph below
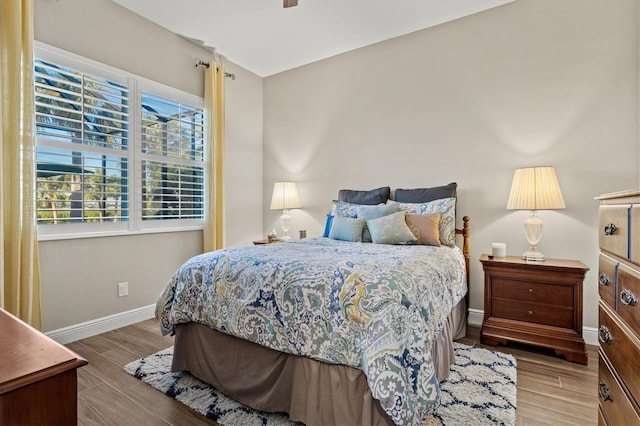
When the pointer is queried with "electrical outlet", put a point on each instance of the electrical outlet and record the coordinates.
(123, 289)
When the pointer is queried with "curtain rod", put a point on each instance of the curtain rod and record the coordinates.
(206, 64)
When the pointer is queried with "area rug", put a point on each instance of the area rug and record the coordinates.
(480, 390)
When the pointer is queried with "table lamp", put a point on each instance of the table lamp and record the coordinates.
(285, 196)
(534, 188)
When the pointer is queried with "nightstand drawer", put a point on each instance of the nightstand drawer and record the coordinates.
(628, 292)
(613, 233)
(533, 312)
(561, 295)
(607, 279)
(621, 347)
(614, 402)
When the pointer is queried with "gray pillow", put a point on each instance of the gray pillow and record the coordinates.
(424, 195)
(391, 229)
(346, 228)
(371, 197)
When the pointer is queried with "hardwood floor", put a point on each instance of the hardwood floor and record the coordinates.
(551, 391)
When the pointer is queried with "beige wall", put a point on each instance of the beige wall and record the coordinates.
(79, 276)
(529, 83)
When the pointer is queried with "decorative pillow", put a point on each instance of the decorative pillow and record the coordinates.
(344, 209)
(424, 195)
(390, 229)
(346, 228)
(425, 228)
(374, 212)
(446, 207)
(371, 197)
(327, 226)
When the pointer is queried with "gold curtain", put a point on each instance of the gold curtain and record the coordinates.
(213, 237)
(19, 267)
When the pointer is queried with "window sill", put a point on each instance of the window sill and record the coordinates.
(119, 233)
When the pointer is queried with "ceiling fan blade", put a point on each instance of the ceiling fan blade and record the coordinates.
(289, 3)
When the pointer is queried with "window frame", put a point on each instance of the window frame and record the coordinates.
(136, 85)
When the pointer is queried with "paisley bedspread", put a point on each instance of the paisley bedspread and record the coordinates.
(370, 306)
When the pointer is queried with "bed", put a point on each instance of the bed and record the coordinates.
(327, 330)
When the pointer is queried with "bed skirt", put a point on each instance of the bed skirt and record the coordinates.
(310, 391)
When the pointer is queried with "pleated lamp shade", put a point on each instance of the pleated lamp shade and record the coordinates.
(285, 196)
(535, 188)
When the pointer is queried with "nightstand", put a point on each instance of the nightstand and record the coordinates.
(536, 303)
(260, 242)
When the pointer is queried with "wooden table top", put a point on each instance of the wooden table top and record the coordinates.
(28, 355)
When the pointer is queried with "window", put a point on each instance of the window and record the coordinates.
(115, 152)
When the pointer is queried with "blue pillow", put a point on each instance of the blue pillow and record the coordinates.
(346, 228)
(327, 226)
(374, 212)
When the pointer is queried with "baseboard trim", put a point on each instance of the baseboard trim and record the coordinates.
(475, 317)
(101, 325)
(589, 334)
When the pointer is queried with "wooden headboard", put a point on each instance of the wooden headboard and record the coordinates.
(465, 251)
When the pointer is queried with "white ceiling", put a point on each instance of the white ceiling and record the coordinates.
(265, 38)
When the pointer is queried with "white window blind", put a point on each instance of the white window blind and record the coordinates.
(172, 159)
(81, 159)
(109, 153)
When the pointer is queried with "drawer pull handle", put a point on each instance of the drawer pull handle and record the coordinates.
(603, 392)
(628, 298)
(604, 280)
(604, 335)
(610, 229)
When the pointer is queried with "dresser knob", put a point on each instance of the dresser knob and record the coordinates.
(604, 335)
(603, 392)
(530, 290)
(610, 229)
(604, 280)
(530, 313)
(628, 298)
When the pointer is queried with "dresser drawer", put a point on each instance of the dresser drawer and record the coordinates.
(635, 234)
(561, 295)
(614, 402)
(613, 229)
(607, 279)
(628, 292)
(621, 347)
(533, 312)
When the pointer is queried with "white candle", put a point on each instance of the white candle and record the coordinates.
(499, 249)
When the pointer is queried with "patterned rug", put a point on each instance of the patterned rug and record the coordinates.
(480, 390)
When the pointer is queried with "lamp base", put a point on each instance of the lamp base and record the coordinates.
(533, 256)
(285, 222)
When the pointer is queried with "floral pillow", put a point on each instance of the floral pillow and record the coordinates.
(344, 209)
(447, 209)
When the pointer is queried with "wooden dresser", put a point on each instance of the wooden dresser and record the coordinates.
(38, 382)
(619, 313)
(536, 303)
